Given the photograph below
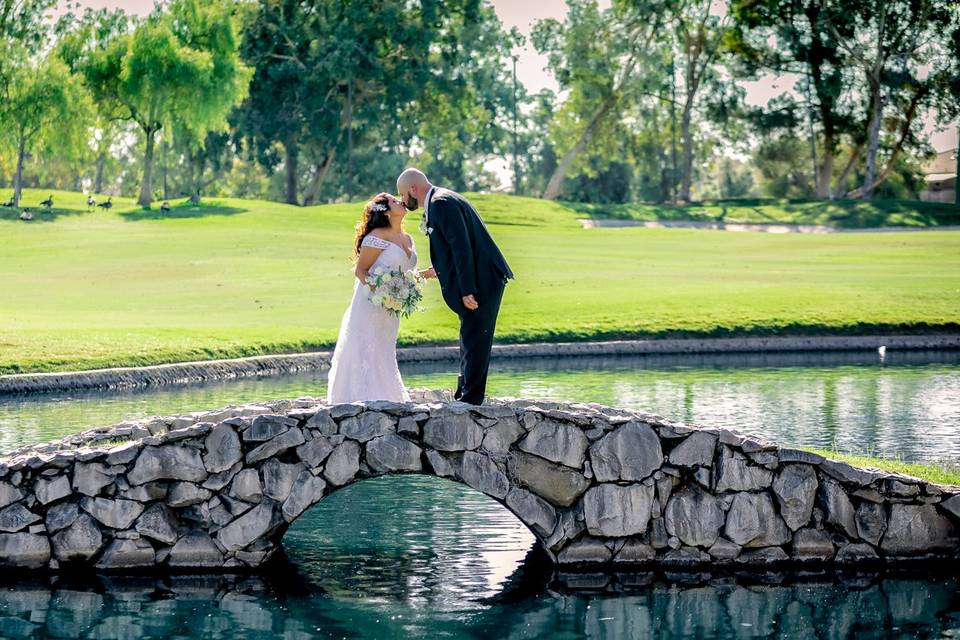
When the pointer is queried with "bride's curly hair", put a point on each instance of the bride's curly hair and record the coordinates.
(374, 216)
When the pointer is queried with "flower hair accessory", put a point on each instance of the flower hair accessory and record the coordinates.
(378, 207)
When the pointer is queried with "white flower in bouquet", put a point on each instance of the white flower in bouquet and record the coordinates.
(395, 291)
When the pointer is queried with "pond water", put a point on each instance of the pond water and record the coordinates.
(906, 406)
(422, 557)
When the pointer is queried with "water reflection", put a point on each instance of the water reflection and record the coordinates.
(421, 557)
(904, 407)
(428, 541)
(631, 606)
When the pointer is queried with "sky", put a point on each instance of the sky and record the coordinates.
(530, 65)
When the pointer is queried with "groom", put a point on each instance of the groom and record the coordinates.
(471, 270)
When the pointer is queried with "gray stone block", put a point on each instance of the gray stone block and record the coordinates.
(343, 463)
(796, 489)
(533, 510)
(612, 510)
(480, 472)
(916, 529)
(558, 484)
(78, 542)
(695, 517)
(752, 521)
(16, 518)
(393, 453)
(116, 514)
(452, 432)
(167, 462)
(24, 550)
(558, 442)
(632, 452)
(223, 449)
(696, 450)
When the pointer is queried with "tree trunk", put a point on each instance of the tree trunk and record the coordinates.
(552, 192)
(876, 115)
(664, 175)
(815, 60)
(291, 169)
(687, 151)
(826, 170)
(319, 177)
(196, 179)
(841, 188)
(146, 186)
(98, 177)
(673, 133)
(18, 176)
(876, 107)
(813, 139)
(908, 119)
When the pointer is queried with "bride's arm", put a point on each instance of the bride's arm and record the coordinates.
(368, 255)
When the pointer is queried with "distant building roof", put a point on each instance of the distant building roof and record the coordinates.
(943, 162)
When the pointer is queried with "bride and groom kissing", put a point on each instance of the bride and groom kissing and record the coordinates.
(469, 266)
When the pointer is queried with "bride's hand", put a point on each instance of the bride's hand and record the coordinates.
(428, 273)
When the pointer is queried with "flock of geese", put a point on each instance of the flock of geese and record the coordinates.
(92, 204)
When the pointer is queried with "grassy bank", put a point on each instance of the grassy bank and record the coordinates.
(936, 473)
(843, 214)
(233, 278)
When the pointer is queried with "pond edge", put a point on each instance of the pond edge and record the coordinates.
(184, 373)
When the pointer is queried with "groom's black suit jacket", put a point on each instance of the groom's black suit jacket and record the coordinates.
(465, 257)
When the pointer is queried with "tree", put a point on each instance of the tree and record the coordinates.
(43, 105)
(22, 25)
(780, 161)
(539, 159)
(890, 42)
(865, 63)
(598, 58)
(204, 163)
(179, 66)
(465, 112)
(332, 86)
(105, 135)
(793, 36)
(275, 43)
(700, 36)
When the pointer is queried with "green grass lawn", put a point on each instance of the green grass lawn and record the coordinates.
(844, 214)
(937, 473)
(125, 287)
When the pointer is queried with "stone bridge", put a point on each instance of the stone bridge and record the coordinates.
(595, 485)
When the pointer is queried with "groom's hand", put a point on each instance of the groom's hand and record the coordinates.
(470, 303)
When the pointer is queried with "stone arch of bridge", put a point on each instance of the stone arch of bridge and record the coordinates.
(595, 485)
(372, 445)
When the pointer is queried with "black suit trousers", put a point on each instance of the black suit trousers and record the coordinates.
(476, 342)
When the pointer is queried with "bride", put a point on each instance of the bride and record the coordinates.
(364, 365)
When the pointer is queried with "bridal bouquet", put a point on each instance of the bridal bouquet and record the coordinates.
(399, 292)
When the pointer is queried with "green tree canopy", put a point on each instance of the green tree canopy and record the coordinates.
(180, 65)
(335, 82)
(44, 107)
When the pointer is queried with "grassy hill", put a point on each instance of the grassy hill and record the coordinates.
(238, 277)
(841, 214)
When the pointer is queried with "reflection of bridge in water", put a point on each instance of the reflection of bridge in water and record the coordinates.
(285, 603)
(595, 486)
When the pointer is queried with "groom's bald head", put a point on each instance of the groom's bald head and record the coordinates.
(412, 185)
(411, 177)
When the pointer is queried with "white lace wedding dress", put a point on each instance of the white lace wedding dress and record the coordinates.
(364, 365)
